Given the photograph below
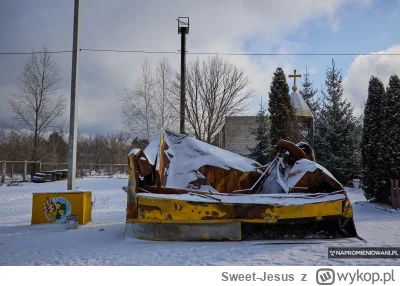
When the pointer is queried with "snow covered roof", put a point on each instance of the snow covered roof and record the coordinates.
(302, 108)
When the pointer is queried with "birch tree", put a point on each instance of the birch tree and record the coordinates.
(38, 103)
(215, 88)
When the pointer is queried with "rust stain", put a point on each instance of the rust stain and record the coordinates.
(292, 174)
(147, 208)
(252, 211)
(214, 214)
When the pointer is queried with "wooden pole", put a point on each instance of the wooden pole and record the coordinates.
(392, 194)
(397, 194)
(74, 102)
(3, 173)
(25, 171)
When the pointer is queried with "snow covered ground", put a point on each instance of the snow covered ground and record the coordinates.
(101, 242)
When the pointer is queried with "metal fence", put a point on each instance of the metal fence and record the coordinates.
(21, 171)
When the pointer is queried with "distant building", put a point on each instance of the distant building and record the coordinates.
(235, 135)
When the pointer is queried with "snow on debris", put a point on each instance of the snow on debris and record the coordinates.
(266, 199)
(151, 151)
(187, 155)
(301, 167)
(134, 151)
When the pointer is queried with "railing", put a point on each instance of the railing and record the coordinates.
(20, 171)
(395, 193)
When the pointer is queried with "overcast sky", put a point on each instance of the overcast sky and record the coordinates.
(265, 26)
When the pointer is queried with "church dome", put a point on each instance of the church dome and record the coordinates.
(300, 105)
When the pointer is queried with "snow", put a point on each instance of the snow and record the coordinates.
(274, 199)
(134, 151)
(187, 154)
(101, 242)
(301, 167)
(151, 151)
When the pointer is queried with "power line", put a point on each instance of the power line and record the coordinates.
(128, 51)
(205, 53)
(30, 53)
(243, 54)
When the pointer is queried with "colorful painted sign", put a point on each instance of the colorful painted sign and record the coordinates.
(57, 209)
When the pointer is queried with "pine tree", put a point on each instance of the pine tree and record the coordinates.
(337, 133)
(282, 114)
(392, 127)
(372, 141)
(308, 92)
(260, 152)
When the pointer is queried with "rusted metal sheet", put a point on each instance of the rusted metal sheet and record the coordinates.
(143, 164)
(152, 208)
(316, 182)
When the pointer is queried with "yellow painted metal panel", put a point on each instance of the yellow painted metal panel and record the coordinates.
(178, 211)
(55, 207)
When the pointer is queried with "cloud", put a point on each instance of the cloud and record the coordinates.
(363, 67)
(216, 26)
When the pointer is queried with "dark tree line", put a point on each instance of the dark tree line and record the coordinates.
(381, 137)
(97, 149)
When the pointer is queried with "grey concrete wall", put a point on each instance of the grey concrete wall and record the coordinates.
(236, 135)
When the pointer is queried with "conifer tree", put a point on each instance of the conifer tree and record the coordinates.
(372, 142)
(308, 92)
(260, 152)
(337, 133)
(280, 108)
(392, 127)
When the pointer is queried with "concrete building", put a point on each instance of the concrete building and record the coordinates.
(235, 135)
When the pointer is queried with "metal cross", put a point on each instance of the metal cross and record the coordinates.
(294, 88)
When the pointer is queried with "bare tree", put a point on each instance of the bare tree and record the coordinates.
(38, 103)
(165, 113)
(3, 131)
(215, 88)
(137, 104)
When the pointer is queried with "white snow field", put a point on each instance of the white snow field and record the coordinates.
(101, 242)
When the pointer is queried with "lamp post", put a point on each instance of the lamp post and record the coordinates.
(183, 29)
(72, 145)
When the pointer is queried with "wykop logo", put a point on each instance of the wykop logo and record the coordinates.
(325, 276)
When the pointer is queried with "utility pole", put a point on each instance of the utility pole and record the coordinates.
(74, 102)
(183, 29)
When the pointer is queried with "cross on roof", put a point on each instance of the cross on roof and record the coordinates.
(294, 88)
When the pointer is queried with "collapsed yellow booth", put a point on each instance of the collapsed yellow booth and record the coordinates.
(56, 207)
(180, 188)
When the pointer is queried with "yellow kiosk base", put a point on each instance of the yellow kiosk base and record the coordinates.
(56, 207)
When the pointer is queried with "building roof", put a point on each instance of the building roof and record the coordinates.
(302, 108)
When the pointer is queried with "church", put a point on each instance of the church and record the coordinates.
(235, 135)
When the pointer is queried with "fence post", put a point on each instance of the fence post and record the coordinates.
(3, 173)
(397, 193)
(90, 168)
(111, 170)
(82, 169)
(25, 171)
(12, 171)
(40, 166)
(393, 195)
